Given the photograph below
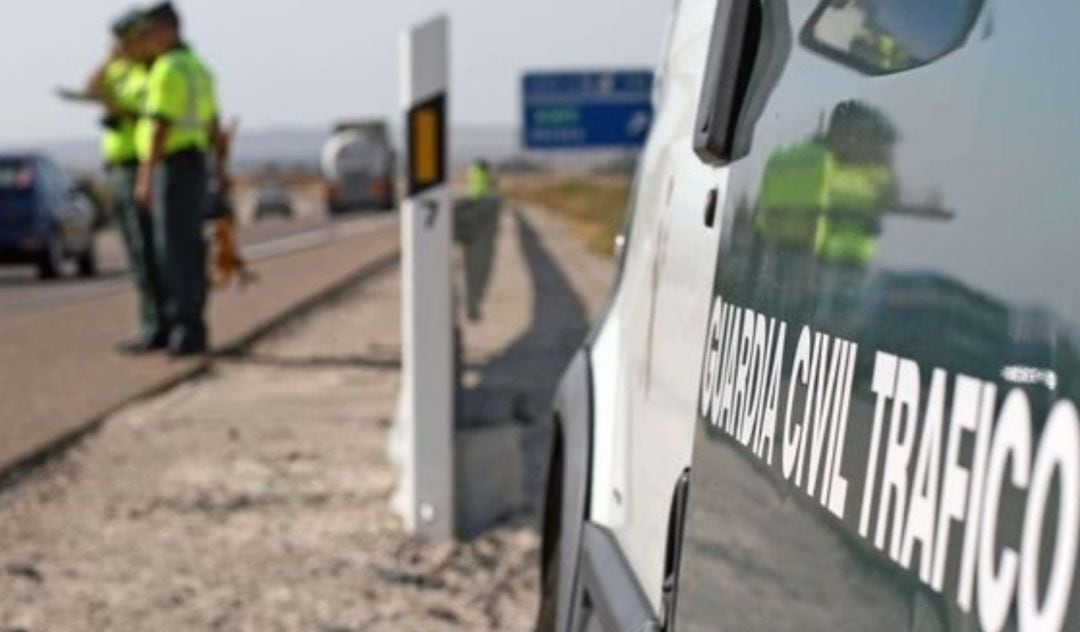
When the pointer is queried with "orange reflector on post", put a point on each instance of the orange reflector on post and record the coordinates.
(427, 144)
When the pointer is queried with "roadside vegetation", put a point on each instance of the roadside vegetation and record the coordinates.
(593, 205)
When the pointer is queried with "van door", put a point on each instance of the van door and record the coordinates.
(887, 434)
(643, 405)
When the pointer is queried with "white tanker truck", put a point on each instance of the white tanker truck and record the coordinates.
(358, 166)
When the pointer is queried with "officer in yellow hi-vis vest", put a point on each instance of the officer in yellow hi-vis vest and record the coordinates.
(476, 224)
(119, 85)
(124, 88)
(862, 189)
(480, 181)
(862, 185)
(178, 129)
(819, 212)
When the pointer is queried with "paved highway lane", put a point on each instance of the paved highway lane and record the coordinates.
(58, 366)
(21, 291)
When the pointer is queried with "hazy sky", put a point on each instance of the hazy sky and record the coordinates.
(308, 62)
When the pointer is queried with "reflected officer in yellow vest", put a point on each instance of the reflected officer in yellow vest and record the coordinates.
(862, 188)
(178, 129)
(819, 212)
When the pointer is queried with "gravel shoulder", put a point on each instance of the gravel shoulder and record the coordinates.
(257, 497)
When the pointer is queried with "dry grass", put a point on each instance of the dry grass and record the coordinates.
(594, 205)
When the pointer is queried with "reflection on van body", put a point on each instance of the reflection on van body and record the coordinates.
(887, 434)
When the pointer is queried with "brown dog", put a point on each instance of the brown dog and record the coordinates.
(227, 264)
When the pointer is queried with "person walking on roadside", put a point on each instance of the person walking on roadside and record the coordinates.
(480, 181)
(478, 222)
(177, 130)
(119, 84)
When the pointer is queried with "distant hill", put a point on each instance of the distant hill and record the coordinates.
(299, 147)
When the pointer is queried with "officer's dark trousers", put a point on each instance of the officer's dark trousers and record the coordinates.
(180, 198)
(137, 229)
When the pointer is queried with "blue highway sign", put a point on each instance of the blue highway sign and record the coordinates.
(567, 110)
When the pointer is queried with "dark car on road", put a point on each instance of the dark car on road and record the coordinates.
(44, 218)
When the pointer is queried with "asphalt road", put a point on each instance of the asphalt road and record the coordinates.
(21, 291)
(59, 369)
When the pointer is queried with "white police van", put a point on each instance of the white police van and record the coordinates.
(836, 384)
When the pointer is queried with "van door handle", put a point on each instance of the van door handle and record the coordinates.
(733, 51)
(710, 207)
(673, 552)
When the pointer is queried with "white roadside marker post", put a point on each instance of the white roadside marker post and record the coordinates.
(425, 432)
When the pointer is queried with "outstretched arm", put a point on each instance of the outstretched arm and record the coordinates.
(94, 90)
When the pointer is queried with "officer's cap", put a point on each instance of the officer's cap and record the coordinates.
(163, 13)
(128, 23)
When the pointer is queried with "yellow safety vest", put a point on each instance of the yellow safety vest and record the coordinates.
(125, 86)
(480, 182)
(794, 192)
(180, 91)
(849, 228)
(811, 200)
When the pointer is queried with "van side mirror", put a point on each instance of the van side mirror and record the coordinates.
(880, 37)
